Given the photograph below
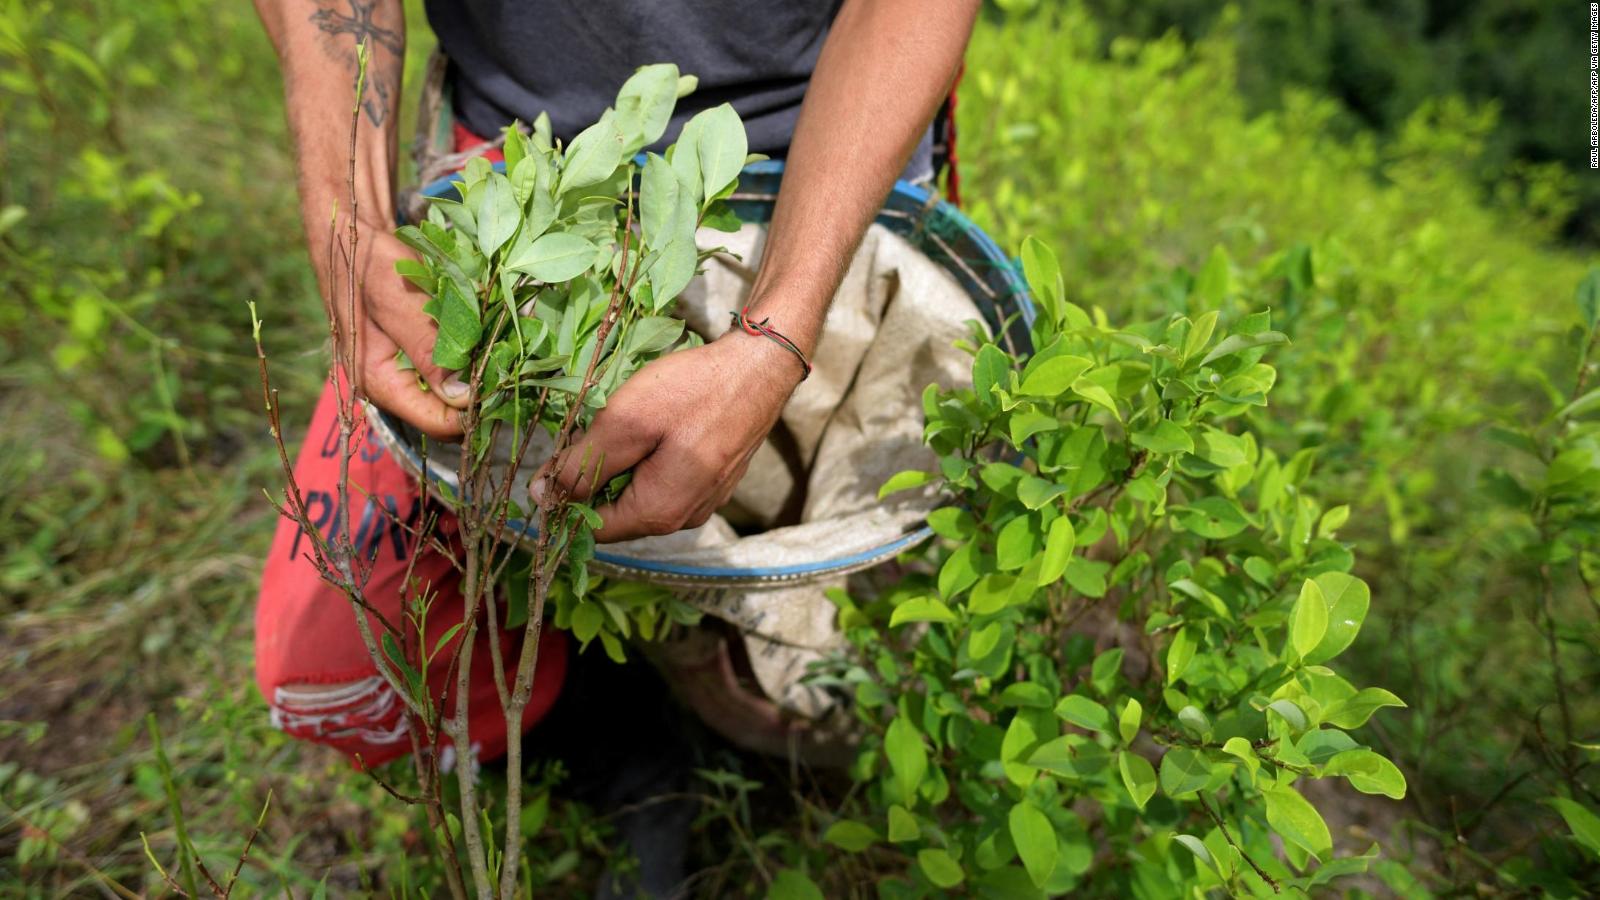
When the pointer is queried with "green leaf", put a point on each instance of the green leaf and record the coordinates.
(1084, 713)
(1103, 673)
(673, 271)
(1097, 395)
(1214, 518)
(685, 159)
(592, 156)
(990, 369)
(850, 835)
(952, 522)
(1296, 820)
(460, 329)
(1035, 492)
(921, 609)
(1353, 712)
(553, 258)
(392, 650)
(791, 884)
(1588, 298)
(1584, 823)
(1191, 718)
(1220, 448)
(1184, 771)
(1016, 543)
(1179, 653)
(1166, 437)
(10, 216)
(1239, 747)
(651, 334)
(1035, 840)
(1201, 330)
(720, 145)
(1128, 722)
(1333, 520)
(902, 825)
(1054, 376)
(940, 867)
(1368, 773)
(1237, 343)
(1201, 852)
(1058, 545)
(1348, 598)
(1021, 736)
(1087, 576)
(1309, 621)
(445, 638)
(587, 619)
(1002, 478)
(644, 105)
(983, 640)
(1138, 776)
(1589, 402)
(1043, 273)
(959, 572)
(1291, 713)
(498, 214)
(904, 481)
(902, 743)
(534, 815)
(1026, 693)
(658, 202)
(991, 594)
(1057, 755)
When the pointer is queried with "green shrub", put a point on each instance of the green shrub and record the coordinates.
(1118, 679)
(1425, 311)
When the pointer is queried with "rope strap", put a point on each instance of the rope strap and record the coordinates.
(762, 329)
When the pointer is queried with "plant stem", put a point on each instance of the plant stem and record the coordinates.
(174, 807)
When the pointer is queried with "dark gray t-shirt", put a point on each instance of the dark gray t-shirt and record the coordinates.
(512, 59)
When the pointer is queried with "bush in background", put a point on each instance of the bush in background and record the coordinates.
(1423, 313)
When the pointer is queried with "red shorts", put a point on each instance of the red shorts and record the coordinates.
(311, 664)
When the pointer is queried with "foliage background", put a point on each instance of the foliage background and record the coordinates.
(145, 196)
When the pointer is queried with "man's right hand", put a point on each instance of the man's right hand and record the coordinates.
(388, 317)
(316, 44)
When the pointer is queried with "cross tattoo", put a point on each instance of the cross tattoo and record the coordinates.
(358, 24)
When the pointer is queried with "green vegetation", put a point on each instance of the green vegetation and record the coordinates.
(1433, 410)
(1105, 483)
(1384, 60)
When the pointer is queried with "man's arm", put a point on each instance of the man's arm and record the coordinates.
(316, 42)
(885, 69)
(687, 424)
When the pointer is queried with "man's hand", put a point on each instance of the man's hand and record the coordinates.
(389, 318)
(687, 425)
(316, 43)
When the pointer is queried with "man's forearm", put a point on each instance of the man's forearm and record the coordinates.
(884, 70)
(316, 42)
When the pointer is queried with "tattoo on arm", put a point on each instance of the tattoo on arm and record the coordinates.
(360, 27)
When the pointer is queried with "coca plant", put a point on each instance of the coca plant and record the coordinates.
(550, 283)
(1116, 678)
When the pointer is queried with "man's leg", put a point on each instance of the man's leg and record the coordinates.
(311, 664)
(629, 751)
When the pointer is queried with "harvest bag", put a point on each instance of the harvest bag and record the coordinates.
(807, 513)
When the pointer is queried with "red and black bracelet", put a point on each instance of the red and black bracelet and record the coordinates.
(762, 329)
